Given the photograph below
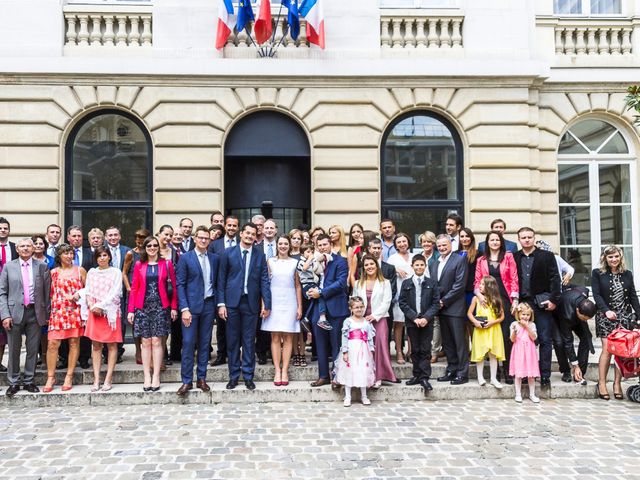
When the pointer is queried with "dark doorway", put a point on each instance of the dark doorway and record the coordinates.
(267, 170)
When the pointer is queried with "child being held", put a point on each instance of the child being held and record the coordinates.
(310, 268)
(356, 367)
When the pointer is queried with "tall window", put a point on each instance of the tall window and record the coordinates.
(587, 7)
(108, 173)
(421, 173)
(597, 200)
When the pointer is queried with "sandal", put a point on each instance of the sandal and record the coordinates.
(106, 387)
(47, 388)
(67, 386)
(603, 396)
(618, 396)
(303, 360)
(296, 360)
(95, 387)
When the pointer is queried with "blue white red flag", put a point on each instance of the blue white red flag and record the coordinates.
(262, 27)
(311, 11)
(226, 21)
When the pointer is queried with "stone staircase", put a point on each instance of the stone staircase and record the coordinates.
(127, 388)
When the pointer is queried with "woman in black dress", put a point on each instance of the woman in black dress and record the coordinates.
(615, 295)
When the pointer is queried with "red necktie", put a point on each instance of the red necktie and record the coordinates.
(3, 258)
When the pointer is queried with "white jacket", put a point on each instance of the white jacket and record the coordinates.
(380, 298)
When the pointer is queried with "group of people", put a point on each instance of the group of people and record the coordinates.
(349, 295)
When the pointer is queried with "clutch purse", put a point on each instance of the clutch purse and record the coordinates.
(305, 324)
(541, 298)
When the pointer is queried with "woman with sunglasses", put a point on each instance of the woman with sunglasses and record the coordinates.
(151, 307)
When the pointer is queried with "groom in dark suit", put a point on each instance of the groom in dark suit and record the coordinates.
(333, 289)
(197, 275)
(243, 284)
(450, 274)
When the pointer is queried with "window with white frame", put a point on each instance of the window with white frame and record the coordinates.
(587, 7)
(597, 195)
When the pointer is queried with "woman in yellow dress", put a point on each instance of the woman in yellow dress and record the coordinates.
(487, 334)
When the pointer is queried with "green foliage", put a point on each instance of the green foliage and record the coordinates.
(632, 100)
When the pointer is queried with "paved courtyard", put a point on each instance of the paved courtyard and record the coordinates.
(584, 439)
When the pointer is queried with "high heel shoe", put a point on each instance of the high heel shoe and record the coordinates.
(617, 396)
(46, 389)
(603, 396)
(65, 387)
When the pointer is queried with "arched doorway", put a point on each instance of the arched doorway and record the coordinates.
(267, 170)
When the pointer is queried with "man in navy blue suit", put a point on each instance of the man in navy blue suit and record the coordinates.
(499, 225)
(197, 275)
(244, 291)
(333, 289)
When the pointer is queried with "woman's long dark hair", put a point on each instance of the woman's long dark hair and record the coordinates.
(144, 258)
(473, 249)
(487, 250)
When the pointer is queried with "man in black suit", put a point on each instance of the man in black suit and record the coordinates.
(243, 285)
(186, 227)
(54, 232)
(539, 283)
(82, 257)
(7, 249)
(218, 247)
(420, 301)
(96, 239)
(452, 226)
(450, 274)
(573, 312)
(499, 225)
(388, 271)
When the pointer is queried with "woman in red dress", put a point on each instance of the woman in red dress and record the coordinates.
(103, 293)
(65, 322)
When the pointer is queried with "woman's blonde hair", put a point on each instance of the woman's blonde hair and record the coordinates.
(342, 241)
(525, 306)
(427, 236)
(608, 250)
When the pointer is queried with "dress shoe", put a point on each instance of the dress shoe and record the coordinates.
(566, 377)
(459, 380)
(447, 377)
(31, 388)
(426, 385)
(155, 389)
(84, 364)
(168, 362)
(233, 383)
(545, 381)
(412, 381)
(202, 385)
(184, 389)
(12, 390)
(3, 368)
(320, 382)
(218, 361)
(262, 359)
(249, 384)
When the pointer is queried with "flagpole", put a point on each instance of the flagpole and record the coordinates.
(273, 35)
(275, 50)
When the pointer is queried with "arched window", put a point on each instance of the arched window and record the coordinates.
(421, 173)
(596, 185)
(108, 173)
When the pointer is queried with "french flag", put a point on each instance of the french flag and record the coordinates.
(262, 27)
(311, 11)
(226, 22)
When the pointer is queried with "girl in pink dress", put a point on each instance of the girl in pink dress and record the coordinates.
(524, 356)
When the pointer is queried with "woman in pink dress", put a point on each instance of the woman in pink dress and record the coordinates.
(65, 322)
(103, 292)
(375, 291)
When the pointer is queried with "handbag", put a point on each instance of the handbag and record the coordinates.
(624, 343)
(168, 285)
(305, 324)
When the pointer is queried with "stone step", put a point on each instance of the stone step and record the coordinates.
(129, 372)
(296, 391)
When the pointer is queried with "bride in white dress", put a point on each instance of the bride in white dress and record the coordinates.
(286, 309)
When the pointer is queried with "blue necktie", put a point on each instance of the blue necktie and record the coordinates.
(269, 251)
(76, 256)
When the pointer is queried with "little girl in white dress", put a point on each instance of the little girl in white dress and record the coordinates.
(356, 367)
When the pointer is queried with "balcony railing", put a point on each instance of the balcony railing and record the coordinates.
(108, 26)
(421, 29)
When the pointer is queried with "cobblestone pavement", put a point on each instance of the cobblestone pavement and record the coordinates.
(584, 439)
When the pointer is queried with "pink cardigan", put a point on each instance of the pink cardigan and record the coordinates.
(508, 274)
(139, 285)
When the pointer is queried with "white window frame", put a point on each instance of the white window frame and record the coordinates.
(593, 161)
(586, 11)
(418, 3)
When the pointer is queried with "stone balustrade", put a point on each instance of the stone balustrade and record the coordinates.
(240, 45)
(113, 26)
(421, 29)
(589, 36)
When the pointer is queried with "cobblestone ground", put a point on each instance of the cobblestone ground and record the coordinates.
(584, 439)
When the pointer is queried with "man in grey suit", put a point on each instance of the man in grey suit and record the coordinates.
(450, 274)
(24, 308)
